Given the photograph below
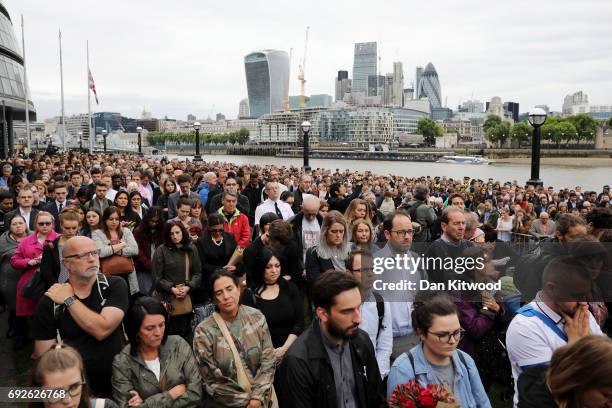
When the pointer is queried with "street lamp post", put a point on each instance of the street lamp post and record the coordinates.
(139, 130)
(80, 140)
(306, 130)
(197, 156)
(104, 134)
(537, 117)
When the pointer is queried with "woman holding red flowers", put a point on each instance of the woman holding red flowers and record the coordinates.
(436, 360)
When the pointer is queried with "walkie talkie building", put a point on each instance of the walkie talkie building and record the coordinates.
(267, 77)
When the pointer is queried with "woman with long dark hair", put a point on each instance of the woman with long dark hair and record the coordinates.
(168, 186)
(149, 235)
(113, 239)
(122, 203)
(93, 220)
(155, 369)
(177, 272)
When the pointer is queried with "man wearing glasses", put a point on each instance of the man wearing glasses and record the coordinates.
(85, 312)
(398, 230)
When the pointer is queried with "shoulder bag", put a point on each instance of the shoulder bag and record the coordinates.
(182, 306)
(243, 378)
(116, 264)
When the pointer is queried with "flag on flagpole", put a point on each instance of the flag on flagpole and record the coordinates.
(92, 86)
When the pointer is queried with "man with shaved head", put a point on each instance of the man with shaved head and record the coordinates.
(85, 312)
(307, 223)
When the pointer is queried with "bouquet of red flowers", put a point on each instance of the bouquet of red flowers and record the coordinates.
(412, 395)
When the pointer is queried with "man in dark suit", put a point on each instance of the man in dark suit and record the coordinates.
(25, 199)
(56, 206)
(253, 192)
(184, 182)
(303, 188)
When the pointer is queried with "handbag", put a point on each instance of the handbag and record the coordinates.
(116, 265)
(34, 288)
(182, 306)
(243, 379)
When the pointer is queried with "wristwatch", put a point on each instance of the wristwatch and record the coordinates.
(69, 300)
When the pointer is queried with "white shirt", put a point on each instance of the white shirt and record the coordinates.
(311, 231)
(26, 216)
(154, 366)
(281, 188)
(383, 342)
(110, 194)
(268, 206)
(531, 342)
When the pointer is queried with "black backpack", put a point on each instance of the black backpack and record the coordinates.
(412, 211)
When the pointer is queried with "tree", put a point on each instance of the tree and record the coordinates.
(609, 123)
(586, 126)
(499, 134)
(429, 129)
(521, 132)
(567, 130)
(491, 122)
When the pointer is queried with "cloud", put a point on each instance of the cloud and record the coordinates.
(187, 56)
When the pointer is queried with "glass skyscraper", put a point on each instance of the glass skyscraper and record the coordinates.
(364, 65)
(429, 86)
(12, 84)
(267, 77)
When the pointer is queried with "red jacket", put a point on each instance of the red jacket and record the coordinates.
(239, 225)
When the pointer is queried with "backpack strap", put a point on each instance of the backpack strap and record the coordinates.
(411, 359)
(462, 358)
(529, 311)
(380, 308)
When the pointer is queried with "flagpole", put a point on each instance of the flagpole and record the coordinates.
(62, 125)
(89, 104)
(25, 88)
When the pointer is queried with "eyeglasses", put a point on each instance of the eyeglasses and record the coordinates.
(72, 391)
(95, 254)
(446, 337)
(403, 233)
(45, 223)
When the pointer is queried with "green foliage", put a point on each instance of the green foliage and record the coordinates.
(521, 132)
(491, 122)
(609, 122)
(159, 138)
(499, 134)
(585, 125)
(429, 129)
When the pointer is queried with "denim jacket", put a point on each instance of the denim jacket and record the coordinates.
(468, 389)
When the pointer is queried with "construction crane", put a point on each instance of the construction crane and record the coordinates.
(301, 76)
(287, 88)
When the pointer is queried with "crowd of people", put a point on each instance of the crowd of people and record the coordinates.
(155, 282)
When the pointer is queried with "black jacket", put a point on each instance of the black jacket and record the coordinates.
(296, 224)
(307, 377)
(341, 204)
(50, 266)
(213, 257)
(9, 216)
(254, 196)
(315, 265)
(532, 389)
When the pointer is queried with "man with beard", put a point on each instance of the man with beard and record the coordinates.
(557, 316)
(399, 231)
(332, 363)
(86, 312)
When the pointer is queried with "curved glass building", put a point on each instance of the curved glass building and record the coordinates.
(429, 86)
(267, 77)
(12, 86)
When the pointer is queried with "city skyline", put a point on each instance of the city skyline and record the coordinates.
(186, 58)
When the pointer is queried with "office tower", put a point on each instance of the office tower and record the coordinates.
(267, 77)
(243, 109)
(408, 95)
(398, 84)
(496, 107)
(191, 117)
(364, 65)
(429, 86)
(376, 86)
(389, 90)
(511, 110)
(342, 85)
(419, 74)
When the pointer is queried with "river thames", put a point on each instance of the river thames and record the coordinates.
(589, 177)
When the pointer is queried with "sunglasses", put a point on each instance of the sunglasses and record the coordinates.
(44, 223)
(216, 230)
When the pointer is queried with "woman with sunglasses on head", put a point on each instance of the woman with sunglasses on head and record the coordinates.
(27, 260)
(215, 247)
(60, 370)
(113, 239)
(155, 369)
(436, 359)
(149, 235)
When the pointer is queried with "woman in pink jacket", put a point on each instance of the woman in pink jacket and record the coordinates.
(27, 259)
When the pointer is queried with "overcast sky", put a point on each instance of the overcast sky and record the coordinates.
(186, 56)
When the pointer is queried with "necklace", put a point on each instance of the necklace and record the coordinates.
(217, 243)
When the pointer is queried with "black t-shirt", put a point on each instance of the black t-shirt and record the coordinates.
(97, 354)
